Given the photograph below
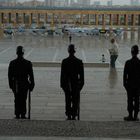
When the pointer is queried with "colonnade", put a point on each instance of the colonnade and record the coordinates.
(75, 17)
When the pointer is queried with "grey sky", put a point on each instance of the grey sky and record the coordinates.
(116, 2)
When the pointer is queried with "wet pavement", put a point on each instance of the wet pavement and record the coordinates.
(103, 98)
(54, 48)
(100, 98)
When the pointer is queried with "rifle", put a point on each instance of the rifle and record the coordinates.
(29, 105)
(78, 111)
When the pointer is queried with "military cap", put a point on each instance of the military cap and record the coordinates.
(20, 50)
(135, 49)
(71, 48)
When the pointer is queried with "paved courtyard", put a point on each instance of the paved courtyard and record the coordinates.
(103, 98)
(54, 48)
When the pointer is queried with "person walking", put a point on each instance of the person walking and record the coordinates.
(131, 82)
(21, 79)
(72, 82)
(113, 50)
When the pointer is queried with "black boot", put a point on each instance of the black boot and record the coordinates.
(69, 117)
(17, 117)
(129, 117)
(23, 116)
(136, 116)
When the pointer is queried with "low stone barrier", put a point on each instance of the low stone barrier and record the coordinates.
(58, 64)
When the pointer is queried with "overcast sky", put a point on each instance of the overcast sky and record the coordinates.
(116, 2)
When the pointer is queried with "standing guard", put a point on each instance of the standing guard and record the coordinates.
(72, 82)
(131, 82)
(21, 80)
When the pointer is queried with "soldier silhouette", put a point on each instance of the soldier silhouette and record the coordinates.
(21, 79)
(131, 82)
(72, 81)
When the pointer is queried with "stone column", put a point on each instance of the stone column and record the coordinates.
(138, 20)
(103, 21)
(60, 19)
(1, 30)
(81, 20)
(30, 19)
(139, 35)
(0, 19)
(23, 18)
(89, 20)
(9, 18)
(118, 19)
(133, 18)
(74, 20)
(46, 18)
(111, 19)
(38, 19)
(17, 16)
(126, 20)
(96, 20)
(15, 20)
(52, 22)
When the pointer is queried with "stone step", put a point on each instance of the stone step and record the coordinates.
(49, 128)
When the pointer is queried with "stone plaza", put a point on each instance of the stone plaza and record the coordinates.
(103, 98)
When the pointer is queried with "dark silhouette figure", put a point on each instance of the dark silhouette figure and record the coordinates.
(70, 39)
(131, 82)
(103, 58)
(72, 81)
(21, 79)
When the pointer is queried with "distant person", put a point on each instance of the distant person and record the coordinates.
(113, 50)
(70, 39)
(131, 82)
(103, 58)
(21, 79)
(72, 82)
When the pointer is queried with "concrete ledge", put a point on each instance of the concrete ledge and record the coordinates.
(104, 65)
(49, 128)
(58, 64)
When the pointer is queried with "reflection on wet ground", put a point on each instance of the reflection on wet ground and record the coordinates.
(112, 77)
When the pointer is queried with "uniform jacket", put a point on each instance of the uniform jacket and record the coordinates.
(72, 73)
(20, 73)
(131, 75)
